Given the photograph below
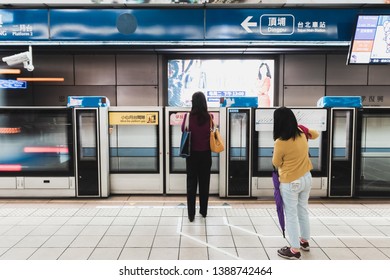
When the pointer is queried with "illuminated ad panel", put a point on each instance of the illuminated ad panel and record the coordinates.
(225, 82)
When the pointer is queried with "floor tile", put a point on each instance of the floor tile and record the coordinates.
(167, 241)
(193, 241)
(320, 231)
(367, 231)
(340, 254)
(369, 254)
(380, 242)
(18, 254)
(222, 254)
(343, 231)
(164, 253)
(172, 212)
(220, 241)
(135, 253)
(251, 253)
(356, 242)
(239, 221)
(94, 230)
(3, 250)
(119, 230)
(55, 221)
(384, 229)
(218, 230)
(273, 241)
(193, 254)
(105, 254)
(124, 221)
(194, 230)
(9, 240)
(243, 230)
(85, 241)
(59, 241)
(262, 221)
(245, 241)
(29, 221)
(139, 241)
(385, 251)
(45, 230)
(167, 230)
(328, 241)
(314, 254)
(76, 254)
(78, 221)
(19, 230)
(169, 221)
(147, 221)
(47, 254)
(69, 230)
(112, 241)
(144, 230)
(272, 230)
(4, 228)
(32, 241)
(101, 221)
(215, 221)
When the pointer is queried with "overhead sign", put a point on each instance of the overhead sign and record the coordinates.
(20, 25)
(280, 24)
(127, 25)
(192, 25)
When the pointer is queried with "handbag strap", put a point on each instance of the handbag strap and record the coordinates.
(305, 130)
(211, 123)
(187, 122)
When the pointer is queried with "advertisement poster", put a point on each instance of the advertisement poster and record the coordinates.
(225, 82)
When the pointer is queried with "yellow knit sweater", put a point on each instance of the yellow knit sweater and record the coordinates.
(291, 157)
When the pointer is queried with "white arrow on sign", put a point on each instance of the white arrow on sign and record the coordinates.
(246, 24)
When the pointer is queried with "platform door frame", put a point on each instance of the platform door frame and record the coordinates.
(342, 169)
(89, 168)
(247, 163)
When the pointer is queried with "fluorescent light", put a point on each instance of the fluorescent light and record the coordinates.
(40, 79)
(9, 71)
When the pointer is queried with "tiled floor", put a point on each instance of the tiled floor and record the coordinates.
(157, 228)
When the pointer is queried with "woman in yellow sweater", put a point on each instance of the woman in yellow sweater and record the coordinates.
(291, 158)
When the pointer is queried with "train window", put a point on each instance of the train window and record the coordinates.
(36, 141)
(341, 139)
(375, 153)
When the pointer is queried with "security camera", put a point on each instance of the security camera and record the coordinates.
(24, 57)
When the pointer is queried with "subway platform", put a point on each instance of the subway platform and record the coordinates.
(155, 227)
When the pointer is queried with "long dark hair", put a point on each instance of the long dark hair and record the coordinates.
(267, 73)
(199, 107)
(285, 124)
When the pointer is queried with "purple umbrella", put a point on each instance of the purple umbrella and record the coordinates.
(278, 200)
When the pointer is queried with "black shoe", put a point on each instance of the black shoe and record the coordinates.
(203, 215)
(305, 245)
(286, 253)
(191, 218)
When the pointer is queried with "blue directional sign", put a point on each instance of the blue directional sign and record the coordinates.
(14, 84)
(201, 25)
(280, 24)
(127, 25)
(20, 25)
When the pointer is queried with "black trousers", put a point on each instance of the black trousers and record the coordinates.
(198, 172)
